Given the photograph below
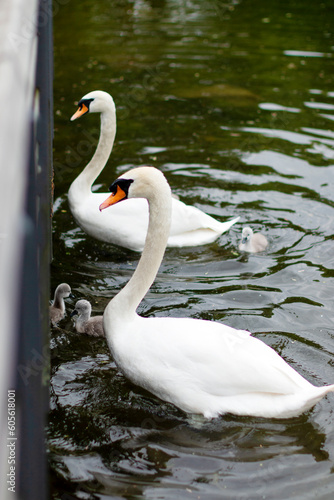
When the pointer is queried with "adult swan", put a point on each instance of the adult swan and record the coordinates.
(126, 225)
(200, 366)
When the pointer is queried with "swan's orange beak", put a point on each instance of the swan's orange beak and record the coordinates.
(82, 109)
(113, 198)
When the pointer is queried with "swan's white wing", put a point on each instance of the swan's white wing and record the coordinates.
(209, 368)
(209, 357)
(188, 218)
(126, 223)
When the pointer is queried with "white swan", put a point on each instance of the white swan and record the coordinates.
(126, 225)
(84, 323)
(57, 308)
(200, 366)
(252, 242)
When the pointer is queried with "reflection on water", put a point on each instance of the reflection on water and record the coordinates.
(135, 442)
(234, 102)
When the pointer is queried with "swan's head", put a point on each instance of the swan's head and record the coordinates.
(63, 290)
(247, 233)
(82, 308)
(97, 101)
(140, 182)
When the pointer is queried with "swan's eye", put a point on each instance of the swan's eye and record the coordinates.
(86, 101)
(113, 188)
(122, 184)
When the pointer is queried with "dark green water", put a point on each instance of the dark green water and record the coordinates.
(234, 102)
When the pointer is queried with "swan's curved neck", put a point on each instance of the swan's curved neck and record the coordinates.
(58, 302)
(128, 299)
(82, 319)
(83, 183)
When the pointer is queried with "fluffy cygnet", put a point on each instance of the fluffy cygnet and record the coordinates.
(84, 323)
(252, 242)
(57, 309)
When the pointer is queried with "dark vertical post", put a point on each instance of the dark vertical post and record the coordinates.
(44, 141)
(33, 353)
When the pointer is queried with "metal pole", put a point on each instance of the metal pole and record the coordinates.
(33, 380)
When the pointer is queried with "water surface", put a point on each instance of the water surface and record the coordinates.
(234, 102)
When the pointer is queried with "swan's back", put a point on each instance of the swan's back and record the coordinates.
(209, 368)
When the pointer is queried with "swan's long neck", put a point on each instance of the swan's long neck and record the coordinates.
(82, 319)
(82, 185)
(58, 302)
(128, 299)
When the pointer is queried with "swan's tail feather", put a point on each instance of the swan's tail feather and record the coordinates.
(320, 393)
(225, 226)
(328, 388)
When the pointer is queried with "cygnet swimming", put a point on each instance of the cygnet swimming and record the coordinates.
(57, 309)
(252, 242)
(84, 323)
